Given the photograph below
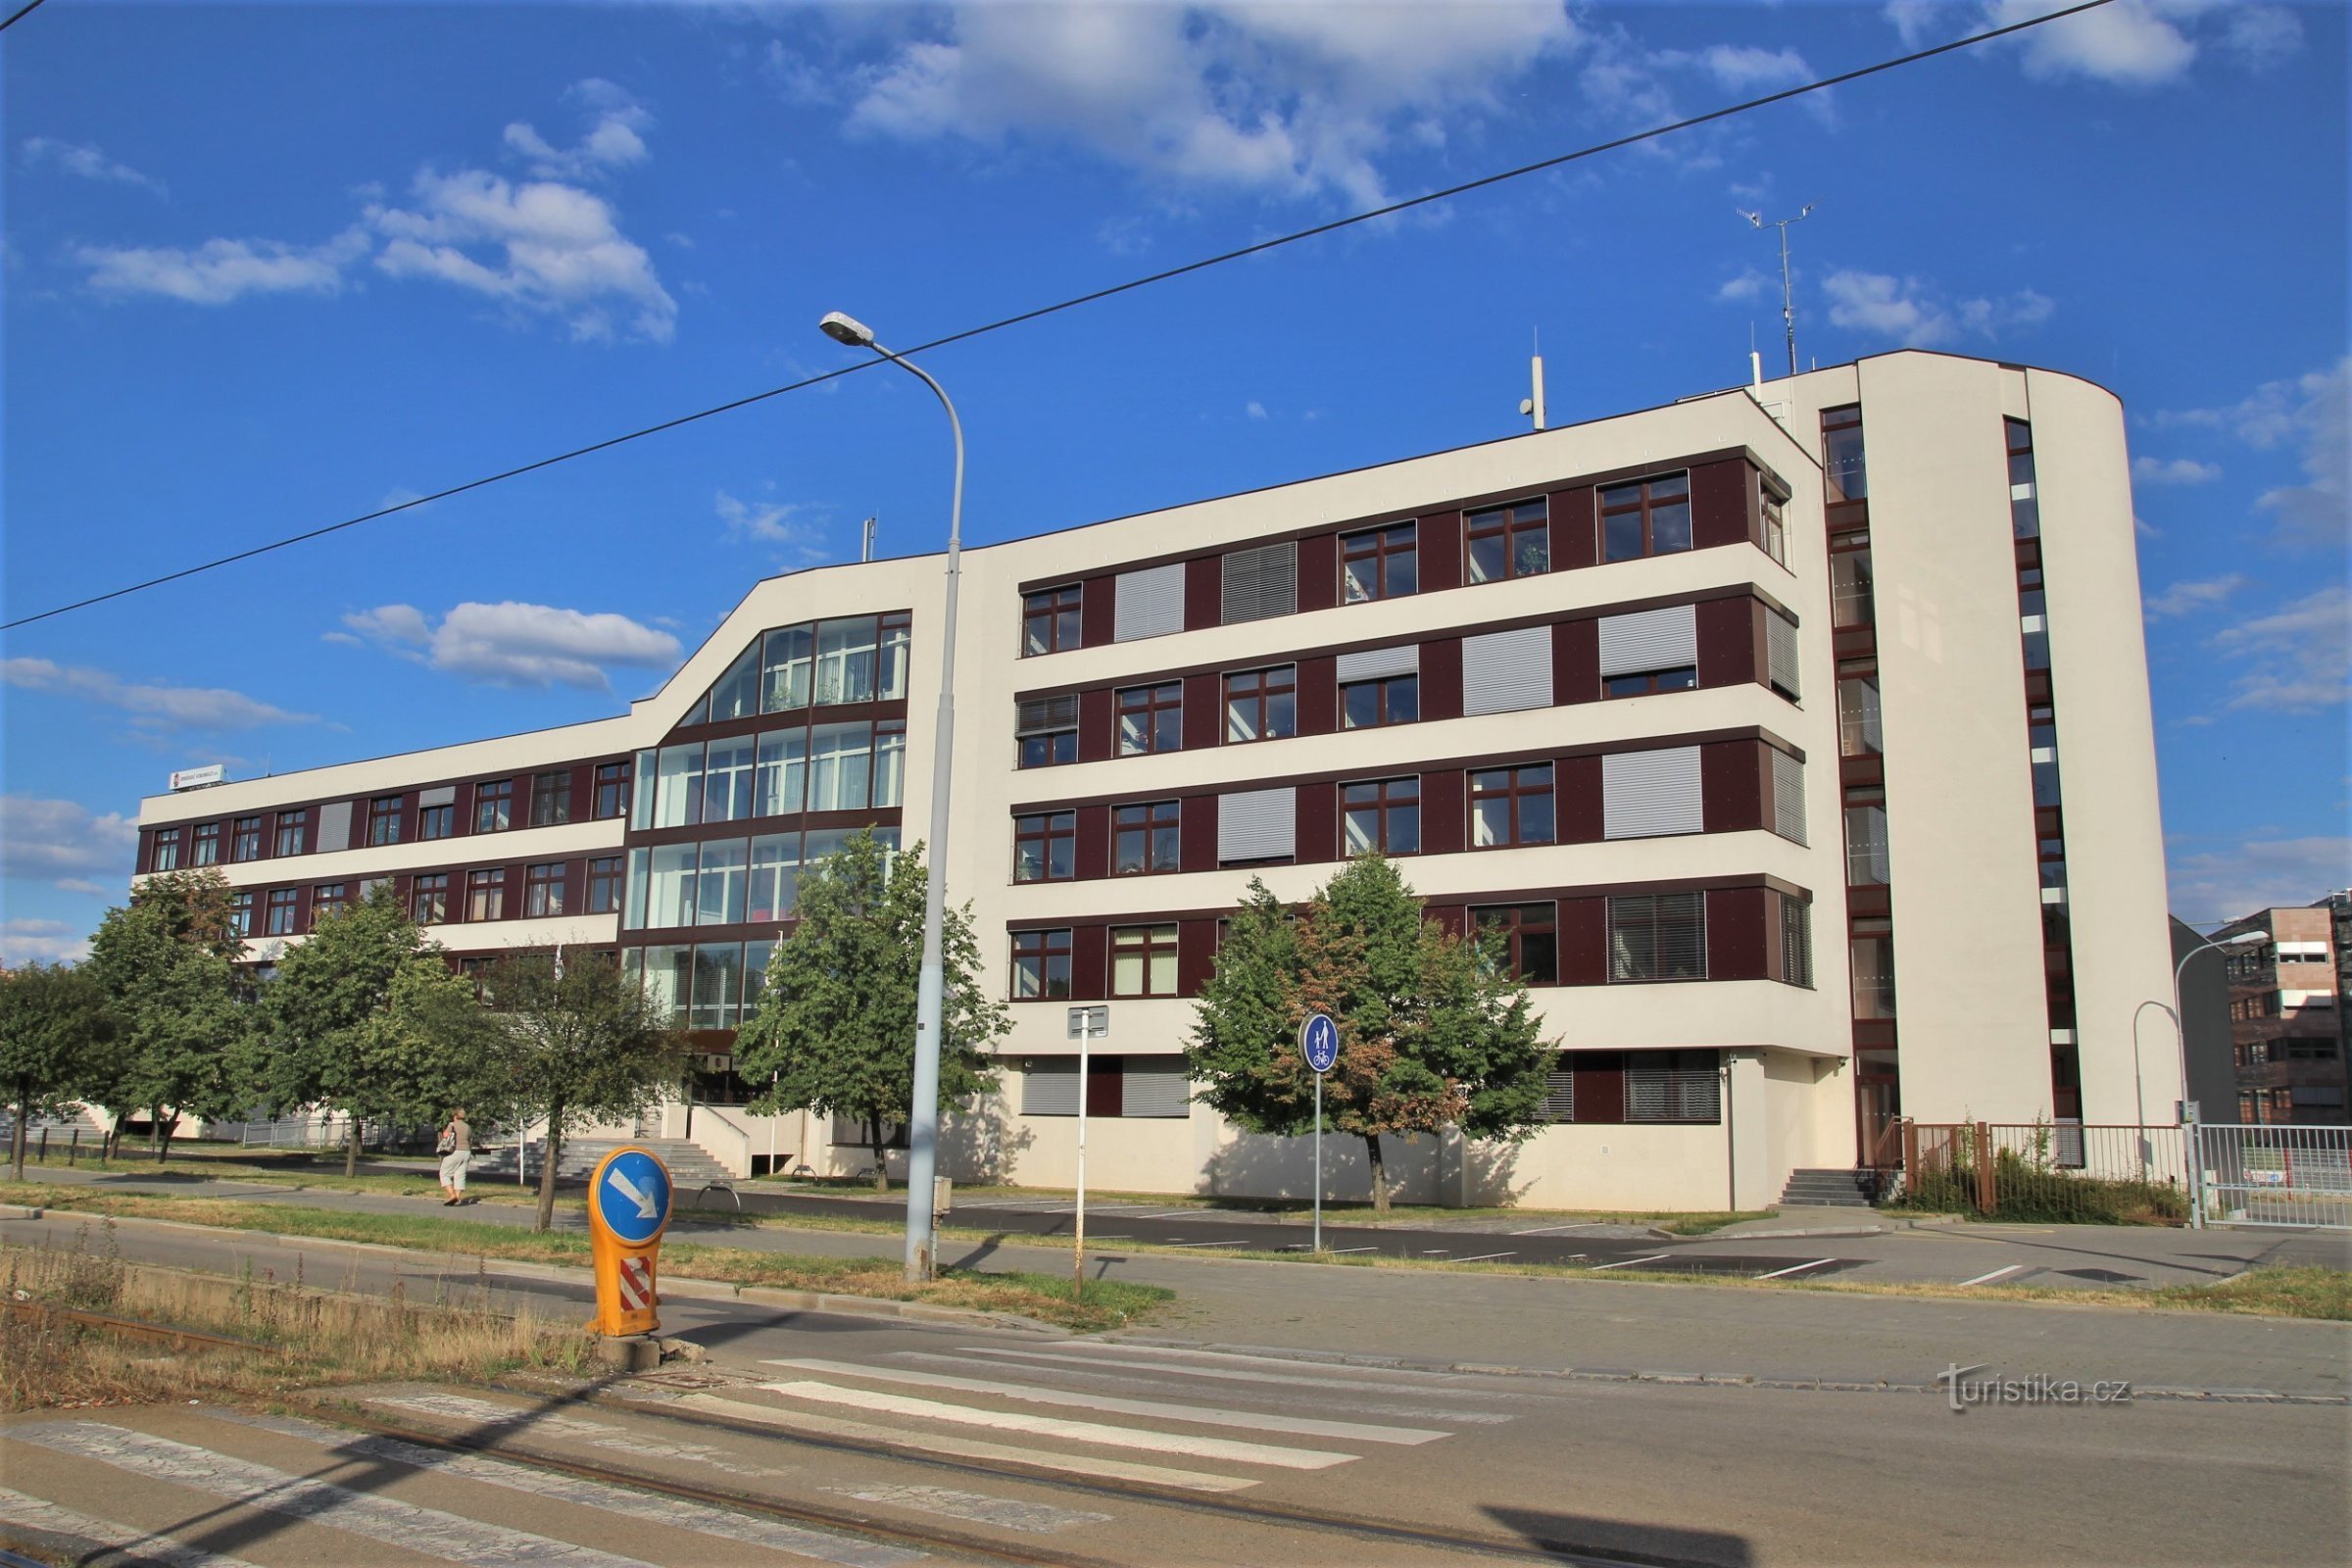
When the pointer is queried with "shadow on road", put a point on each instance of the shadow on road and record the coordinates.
(1576, 1534)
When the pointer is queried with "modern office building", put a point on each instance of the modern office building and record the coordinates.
(1784, 735)
(2285, 1024)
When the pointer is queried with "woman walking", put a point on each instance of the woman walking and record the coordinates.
(456, 1144)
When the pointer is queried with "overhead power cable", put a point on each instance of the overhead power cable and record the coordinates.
(1076, 301)
(21, 14)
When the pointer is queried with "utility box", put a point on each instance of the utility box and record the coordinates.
(942, 1187)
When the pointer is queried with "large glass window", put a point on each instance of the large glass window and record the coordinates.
(1513, 541)
(737, 694)
(775, 880)
(240, 914)
(756, 956)
(1872, 950)
(1380, 562)
(291, 828)
(1844, 475)
(1672, 1086)
(782, 786)
(1050, 620)
(1261, 705)
(1145, 838)
(245, 839)
(717, 985)
(1045, 847)
(1510, 806)
(1771, 514)
(669, 973)
(1865, 836)
(890, 761)
(383, 820)
(1040, 964)
(428, 898)
(2025, 505)
(788, 664)
(678, 786)
(166, 851)
(1648, 517)
(327, 898)
(1143, 960)
(1045, 729)
(604, 884)
(840, 766)
(1850, 597)
(543, 890)
(1383, 815)
(1658, 936)
(719, 885)
(1380, 700)
(845, 660)
(486, 894)
(551, 798)
(1858, 732)
(611, 789)
(436, 822)
(669, 882)
(890, 674)
(280, 916)
(728, 779)
(1151, 719)
(494, 806)
(1526, 937)
(208, 842)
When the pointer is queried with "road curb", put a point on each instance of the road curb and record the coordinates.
(20, 1212)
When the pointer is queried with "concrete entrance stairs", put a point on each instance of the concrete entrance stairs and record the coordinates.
(690, 1165)
(1824, 1189)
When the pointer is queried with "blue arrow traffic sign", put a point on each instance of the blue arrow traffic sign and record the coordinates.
(1319, 1039)
(632, 1197)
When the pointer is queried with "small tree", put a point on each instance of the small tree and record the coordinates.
(1433, 1033)
(835, 1024)
(52, 1016)
(578, 1041)
(181, 1016)
(367, 1018)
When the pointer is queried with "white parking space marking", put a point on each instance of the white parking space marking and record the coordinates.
(1155, 1374)
(34, 1513)
(1005, 1513)
(596, 1433)
(1629, 1262)
(1055, 1426)
(677, 1513)
(1988, 1279)
(1166, 1213)
(1553, 1230)
(1198, 1414)
(260, 1486)
(1797, 1268)
(1077, 1464)
(1208, 1243)
(1485, 1258)
(1336, 1250)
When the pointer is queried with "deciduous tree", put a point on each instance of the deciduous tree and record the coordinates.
(181, 1016)
(51, 1019)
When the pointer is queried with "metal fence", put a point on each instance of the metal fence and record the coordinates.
(2294, 1176)
(2063, 1172)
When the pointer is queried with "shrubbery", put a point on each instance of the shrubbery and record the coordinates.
(2026, 1190)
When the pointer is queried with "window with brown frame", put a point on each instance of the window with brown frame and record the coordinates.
(278, 915)
(165, 854)
(551, 798)
(436, 822)
(1143, 959)
(1050, 620)
(240, 914)
(1504, 542)
(1511, 805)
(611, 790)
(1045, 729)
(1647, 517)
(1040, 964)
(383, 820)
(1381, 816)
(208, 845)
(245, 839)
(1261, 705)
(604, 884)
(291, 829)
(2025, 506)
(1526, 937)
(486, 894)
(1151, 718)
(543, 889)
(1380, 702)
(494, 806)
(1146, 839)
(1658, 936)
(1845, 472)
(1773, 515)
(1680, 679)
(1045, 847)
(1380, 562)
(428, 898)
(328, 897)
(1851, 600)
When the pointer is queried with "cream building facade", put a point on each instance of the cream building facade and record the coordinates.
(1783, 736)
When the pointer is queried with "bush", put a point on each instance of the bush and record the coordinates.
(2027, 1191)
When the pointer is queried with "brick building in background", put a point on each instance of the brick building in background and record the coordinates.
(2286, 1017)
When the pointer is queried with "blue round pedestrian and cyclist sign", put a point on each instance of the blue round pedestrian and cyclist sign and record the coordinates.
(631, 1195)
(1319, 1040)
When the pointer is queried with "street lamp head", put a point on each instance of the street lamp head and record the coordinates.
(2246, 939)
(847, 329)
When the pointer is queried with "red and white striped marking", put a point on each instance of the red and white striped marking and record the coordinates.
(636, 1283)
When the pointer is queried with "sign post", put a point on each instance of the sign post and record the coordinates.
(1319, 1043)
(628, 1209)
(1086, 1025)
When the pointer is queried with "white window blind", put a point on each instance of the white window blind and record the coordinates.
(1258, 825)
(1260, 582)
(1658, 936)
(1380, 664)
(1504, 672)
(1780, 653)
(1155, 1086)
(1645, 794)
(443, 796)
(1787, 796)
(1647, 640)
(1148, 603)
(1050, 1088)
(1559, 1096)
(1664, 1087)
(1796, 940)
(334, 825)
(1042, 715)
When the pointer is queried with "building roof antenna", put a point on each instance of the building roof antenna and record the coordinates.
(1788, 294)
(1532, 405)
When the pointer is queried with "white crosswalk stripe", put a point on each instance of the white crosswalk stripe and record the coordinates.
(596, 1433)
(35, 1513)
(1154, 1375)
(1245, 1369)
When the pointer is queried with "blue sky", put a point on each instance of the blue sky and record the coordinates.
(268, 266)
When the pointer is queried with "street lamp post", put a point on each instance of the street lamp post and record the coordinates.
(922, 1117)
(2196, 1218)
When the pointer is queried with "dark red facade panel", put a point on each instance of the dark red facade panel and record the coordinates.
(1600, 1085)
(1575, 529)
(1203, 592)
(1318, 695)
(1090, 963)
(1442, 678)
(1721, 502)
(1577, 800)
(1442, 809)
(1196, 833)
(1730, 783)
(1091, 854)
(1735, 931)
(1584, 942)
(1318, 572)
(1097, 609)
(1731, 637)
(1097, 726)
(1440, 550)
(1203, 711)
(1318, 823)
(1452, 918)
(1575, 661)
(1196, 954)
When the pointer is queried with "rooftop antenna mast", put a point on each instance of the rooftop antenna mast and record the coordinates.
(1788, 293)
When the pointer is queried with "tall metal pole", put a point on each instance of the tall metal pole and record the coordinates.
(1086, 1040)
(1318, 1163)
(1788, 285)
(922, 1117)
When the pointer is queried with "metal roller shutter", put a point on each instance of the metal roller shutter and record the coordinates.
(1787, 796)
(1050, 1088)
(1156, 1085)
(1651, 639)
(1647, 794)
(443, 796)
(1148, 603)
(1504, 671)
(1260, 583)
(334, 826)
(1780, 653)
(1041, 715)
(1559, 1096)
(1379, 664)
(1258, 825)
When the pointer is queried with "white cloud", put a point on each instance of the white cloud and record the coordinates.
(1251, 95)
(611, 141)
(2301, 655)
(2128, 43)
(1911, 19)
(511, 644)
(769, 521)
(2183, 597)
(49, 840)
(1740, 70)
(2314, 411)
(1254, 408)
(153, 707)
(84, 161)
(78, 884)
(220, 271)
(2230, 884)
(1915, 314)
(1749, 285)
(23, 942)
(2174, 471)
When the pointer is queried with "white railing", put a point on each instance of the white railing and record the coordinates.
(2277, 1175)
